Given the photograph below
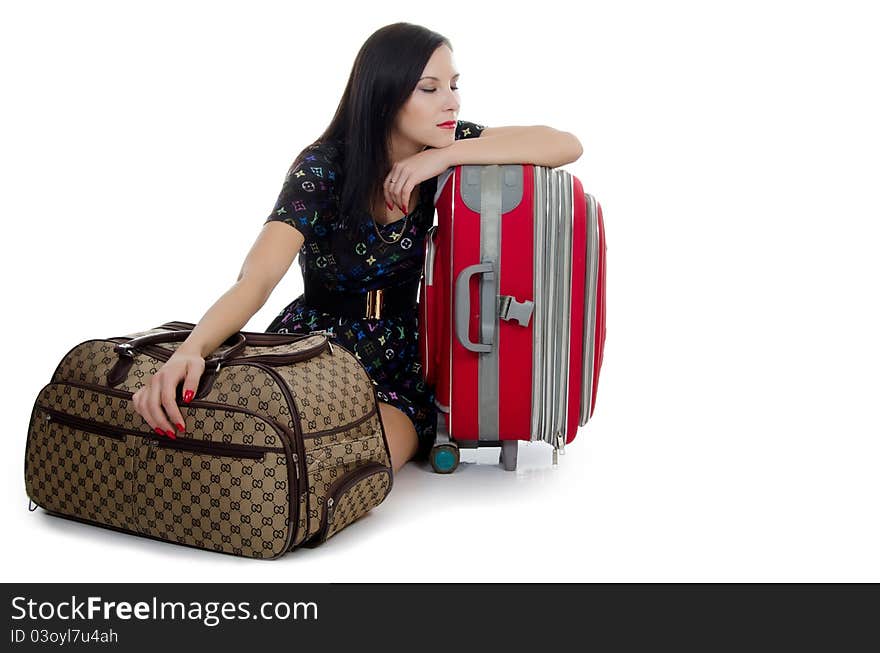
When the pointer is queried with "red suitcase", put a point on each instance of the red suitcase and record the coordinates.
(512, 309)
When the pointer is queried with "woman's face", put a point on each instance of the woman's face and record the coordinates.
(433, 101)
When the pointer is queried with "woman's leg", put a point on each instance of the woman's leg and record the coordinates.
(402, 439)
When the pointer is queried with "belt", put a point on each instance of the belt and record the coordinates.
(374, 304)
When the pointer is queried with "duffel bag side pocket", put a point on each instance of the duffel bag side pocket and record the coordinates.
(78, 468)
(352, 496)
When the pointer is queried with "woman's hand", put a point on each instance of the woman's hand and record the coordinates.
(410, 172)
(156, 400)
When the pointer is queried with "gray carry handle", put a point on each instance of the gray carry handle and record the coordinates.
(463, 306)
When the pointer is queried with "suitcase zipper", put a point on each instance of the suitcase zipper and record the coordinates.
(428, 276)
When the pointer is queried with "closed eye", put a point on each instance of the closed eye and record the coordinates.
(431, 90)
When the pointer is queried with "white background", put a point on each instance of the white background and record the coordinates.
(734, 148)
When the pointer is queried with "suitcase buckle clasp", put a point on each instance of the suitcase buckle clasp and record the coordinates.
(511, 309)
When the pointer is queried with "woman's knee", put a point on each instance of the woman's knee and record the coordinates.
(403, 441)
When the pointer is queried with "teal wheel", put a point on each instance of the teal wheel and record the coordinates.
(444, 458)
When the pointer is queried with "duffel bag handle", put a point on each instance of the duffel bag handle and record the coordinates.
(236, 342)
(126, 352)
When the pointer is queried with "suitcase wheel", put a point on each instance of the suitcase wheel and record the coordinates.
(508, 454)
(444, 458)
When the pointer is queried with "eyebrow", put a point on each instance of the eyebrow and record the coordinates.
(437, 78)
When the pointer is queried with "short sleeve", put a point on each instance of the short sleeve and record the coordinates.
(308, 200)
(465, 129)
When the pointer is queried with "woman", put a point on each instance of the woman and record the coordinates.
(356, 205)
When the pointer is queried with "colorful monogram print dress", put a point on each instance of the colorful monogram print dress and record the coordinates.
(339, 261)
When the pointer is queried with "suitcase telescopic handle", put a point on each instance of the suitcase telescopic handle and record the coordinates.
(487, 307)
(236, 344)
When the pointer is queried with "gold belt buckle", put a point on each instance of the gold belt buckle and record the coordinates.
(374, 304)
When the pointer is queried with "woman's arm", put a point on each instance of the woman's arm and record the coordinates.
(537, 145)
(306, 200)
(268, 260)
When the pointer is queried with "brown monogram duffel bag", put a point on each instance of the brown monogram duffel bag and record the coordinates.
(284, 445)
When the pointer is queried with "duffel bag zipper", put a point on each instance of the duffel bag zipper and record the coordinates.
(254, 338)
(84, 425)
(296, 442)
(376, 408)
(286, 359)
(198, 446)
(292, 444)
(344, 483)
(295, 357)
(298, 439)
(258, 338)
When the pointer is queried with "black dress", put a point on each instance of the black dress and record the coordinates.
(387, 347)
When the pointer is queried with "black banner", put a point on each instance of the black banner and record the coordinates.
(227, 616)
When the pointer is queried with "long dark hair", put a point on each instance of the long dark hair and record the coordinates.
(385, 72)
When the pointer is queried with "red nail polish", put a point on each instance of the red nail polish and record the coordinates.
(180, 427)
(389, 205)
(159, 431)
(170, 434)
(187, 396)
